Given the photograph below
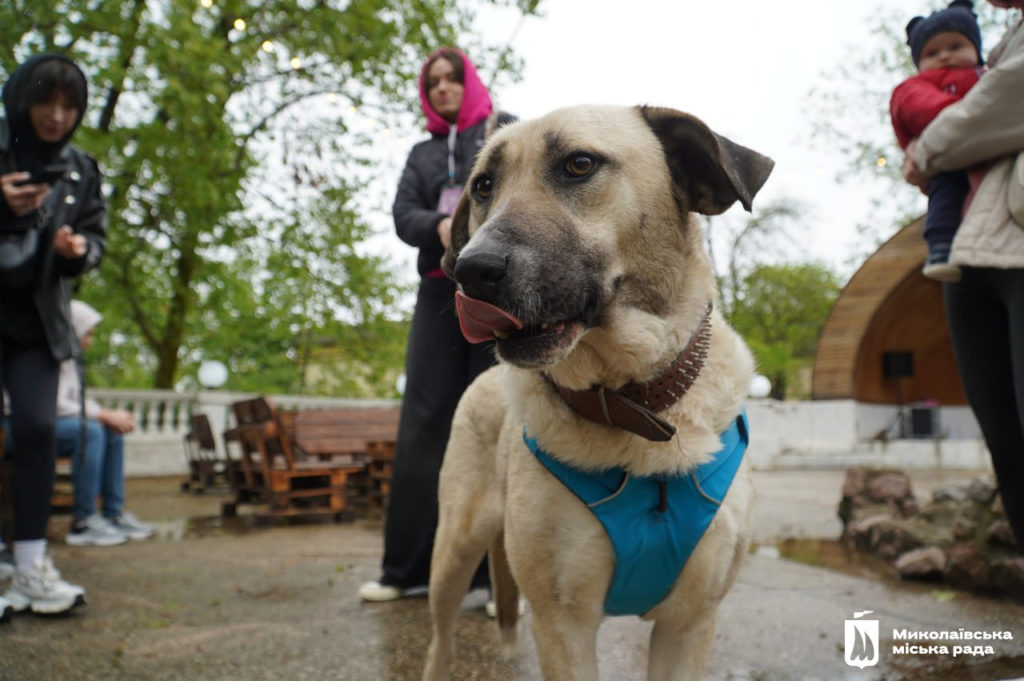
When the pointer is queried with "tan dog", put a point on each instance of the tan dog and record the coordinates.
(575, 247)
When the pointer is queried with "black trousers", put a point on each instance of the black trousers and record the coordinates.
(946, 195)
(439, 365)
(30, 377)
(985, 310)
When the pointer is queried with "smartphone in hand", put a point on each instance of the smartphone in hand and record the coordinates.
(48, 175)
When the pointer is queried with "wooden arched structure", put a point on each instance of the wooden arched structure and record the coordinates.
(886, 339)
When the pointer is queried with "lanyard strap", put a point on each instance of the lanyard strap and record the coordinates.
(452, 132)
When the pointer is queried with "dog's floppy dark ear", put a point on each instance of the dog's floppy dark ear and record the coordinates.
(460, 234)
(711, 171)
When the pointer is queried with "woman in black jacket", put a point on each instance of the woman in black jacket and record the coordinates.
(439, 362)
(44, 101)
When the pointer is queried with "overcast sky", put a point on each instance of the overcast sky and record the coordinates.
(745, 67)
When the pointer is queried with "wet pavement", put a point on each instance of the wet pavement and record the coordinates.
(213, 599)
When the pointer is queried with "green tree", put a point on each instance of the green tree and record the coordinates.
(777, 304)
(780, 311)
(766, 233)
(234, 136)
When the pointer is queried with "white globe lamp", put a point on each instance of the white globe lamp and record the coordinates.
(760, 387)
(212, 374)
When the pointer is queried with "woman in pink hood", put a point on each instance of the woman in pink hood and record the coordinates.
(439, 363)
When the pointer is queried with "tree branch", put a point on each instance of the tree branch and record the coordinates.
(265, 121)
(127, 54)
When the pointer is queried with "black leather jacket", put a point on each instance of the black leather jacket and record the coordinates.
(425, 174)
(41, 313)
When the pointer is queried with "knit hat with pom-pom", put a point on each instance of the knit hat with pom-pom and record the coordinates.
(959, 17)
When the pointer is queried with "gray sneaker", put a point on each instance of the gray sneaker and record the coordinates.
(130, 526)
(95, 531)
(42, 590)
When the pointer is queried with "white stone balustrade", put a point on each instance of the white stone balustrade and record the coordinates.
(822, 434)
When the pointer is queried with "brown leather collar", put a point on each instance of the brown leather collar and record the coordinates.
(634, 406)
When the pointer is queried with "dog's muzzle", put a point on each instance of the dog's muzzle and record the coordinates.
(480, 272)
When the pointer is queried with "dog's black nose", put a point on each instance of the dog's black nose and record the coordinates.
(480, 272)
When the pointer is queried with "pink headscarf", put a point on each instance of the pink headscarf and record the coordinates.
(476, 101)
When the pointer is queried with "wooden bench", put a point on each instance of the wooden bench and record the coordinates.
(206, 467)
(275, 474)
(249, 484)
(361, 435)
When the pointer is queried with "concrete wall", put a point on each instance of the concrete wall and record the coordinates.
(841, 433)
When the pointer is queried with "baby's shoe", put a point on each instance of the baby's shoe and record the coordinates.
(937, 265)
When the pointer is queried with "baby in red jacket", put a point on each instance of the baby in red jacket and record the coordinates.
(946, 48)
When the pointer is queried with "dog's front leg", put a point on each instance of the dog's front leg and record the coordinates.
(566, 645)
(684, 627)
(679, 652)
(562, 560)
(457, 553)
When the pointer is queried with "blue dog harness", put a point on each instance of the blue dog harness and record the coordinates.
(653, 522)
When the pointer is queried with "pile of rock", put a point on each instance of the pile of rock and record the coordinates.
(960, 537)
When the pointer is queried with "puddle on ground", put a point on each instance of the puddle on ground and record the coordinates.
(221, 525)
(830, 554)
(204, 526)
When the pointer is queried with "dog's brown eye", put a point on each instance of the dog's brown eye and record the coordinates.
(580, 165)
(482, 187)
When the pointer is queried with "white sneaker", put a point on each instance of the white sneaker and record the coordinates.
(42, 590)
(130, 526)
(377, 592)
(6, 609)
(95, 531)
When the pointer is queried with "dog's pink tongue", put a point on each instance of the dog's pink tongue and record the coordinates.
(482, 321)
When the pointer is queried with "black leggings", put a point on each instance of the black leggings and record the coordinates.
(985, 310)
(30, 376)
(439, 365)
